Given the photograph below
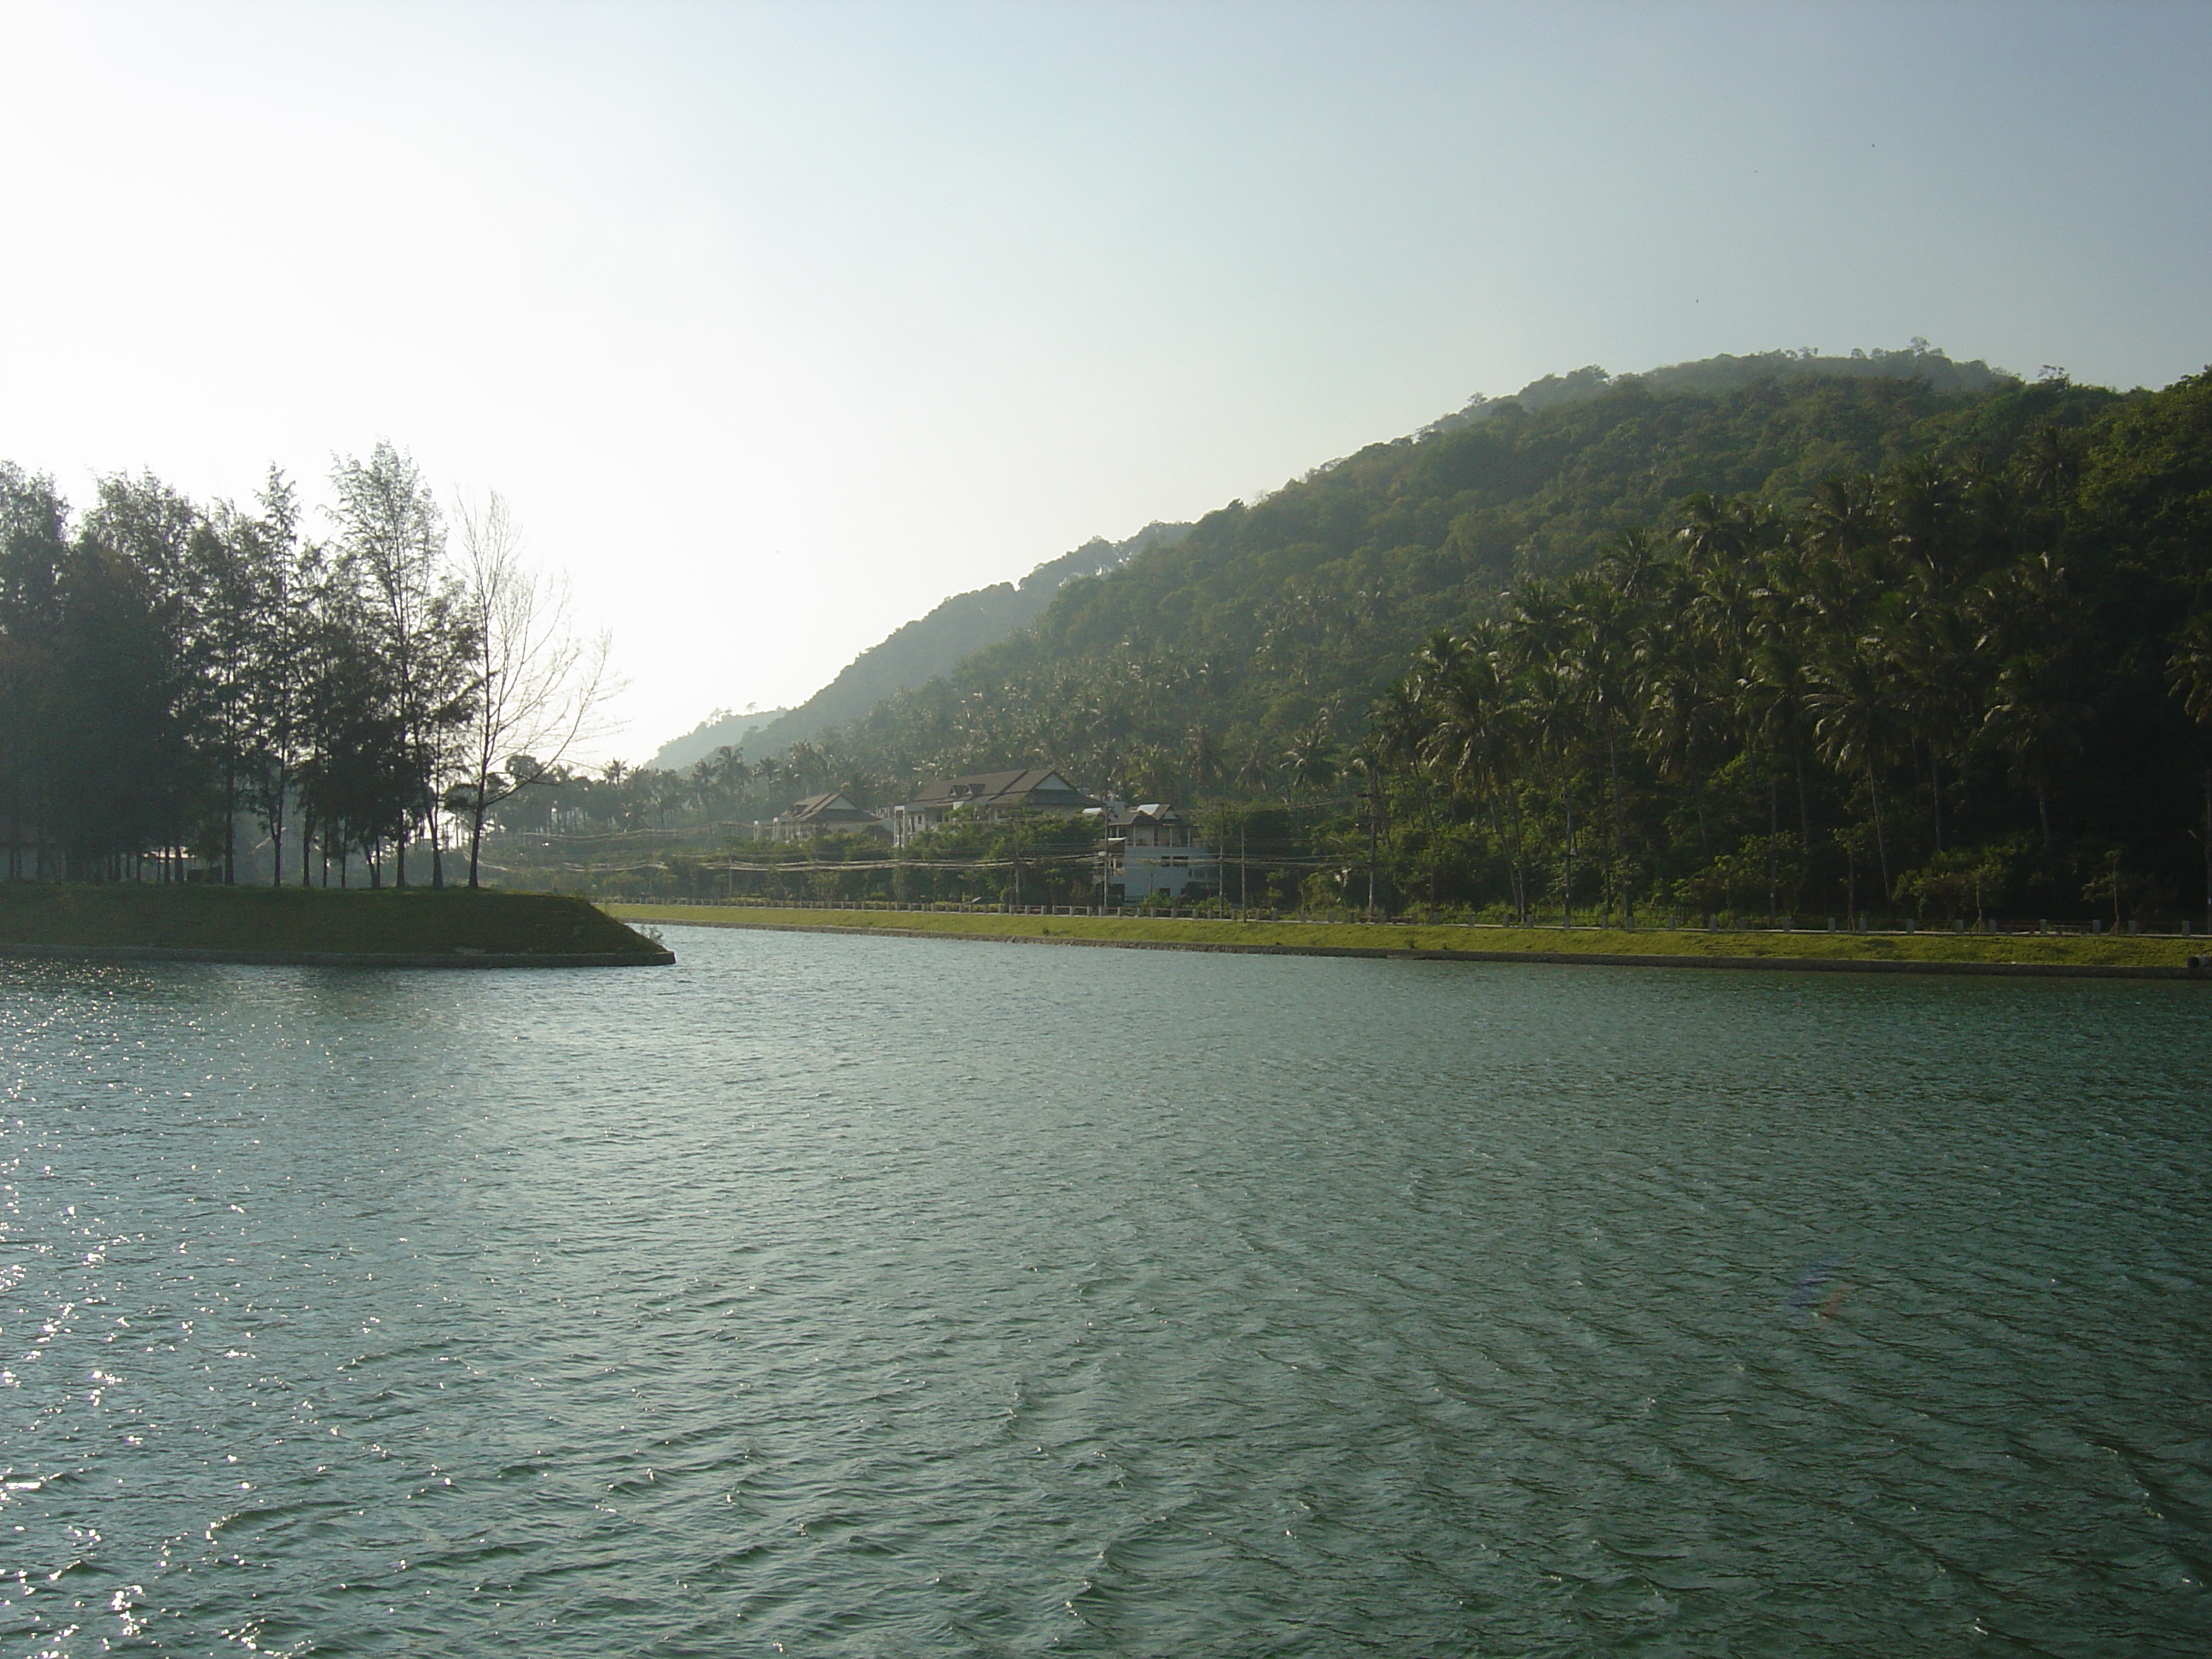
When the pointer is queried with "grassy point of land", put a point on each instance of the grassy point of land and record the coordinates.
(390, 922)
(2071, 951)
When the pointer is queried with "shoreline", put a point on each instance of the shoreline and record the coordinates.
(1120, 933)
(457, 958)
(315, 928)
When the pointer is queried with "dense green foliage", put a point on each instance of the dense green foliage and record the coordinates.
(915, 653)
(1724, 629)
(170, 673)
(1274, 623)
(1953, 687)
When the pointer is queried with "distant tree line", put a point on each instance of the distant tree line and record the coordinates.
(721, 794)
(169, 673)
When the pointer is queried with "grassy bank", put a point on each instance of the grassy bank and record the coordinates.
(405, 921)
(2105, 950)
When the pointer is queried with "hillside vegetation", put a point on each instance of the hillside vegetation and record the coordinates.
(920, 651)
(1281, 620)
(722, 729)
(1906, 638)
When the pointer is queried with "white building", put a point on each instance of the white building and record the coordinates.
(1151, 851)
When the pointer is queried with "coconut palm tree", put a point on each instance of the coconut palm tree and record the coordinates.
(2052, 466)
(1682, 716)
(1311, 763)
(802, 765)
(1600, 650)
(1476, 738)
(1551, 701)
(1256, 773)
(1201, 757)
(1855, 724)
(2189, 670)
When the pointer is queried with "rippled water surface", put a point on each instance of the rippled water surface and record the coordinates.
(847, 1296)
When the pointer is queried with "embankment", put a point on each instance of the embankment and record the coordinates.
(390, 928)
(2103, 956)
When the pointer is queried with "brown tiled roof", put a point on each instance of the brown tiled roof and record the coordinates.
(832, 805)
(1022, 788)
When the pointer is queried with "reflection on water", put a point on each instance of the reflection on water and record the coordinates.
(894, 1297)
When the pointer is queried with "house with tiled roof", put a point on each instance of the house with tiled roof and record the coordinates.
(824, 815)
(987, 796)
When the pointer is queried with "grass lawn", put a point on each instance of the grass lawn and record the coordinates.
(2110, 949)
(411, 920)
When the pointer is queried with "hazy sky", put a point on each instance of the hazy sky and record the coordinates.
(777, 324)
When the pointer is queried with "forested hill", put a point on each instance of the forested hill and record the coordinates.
(1824, 642)
(1725, 373)
(920, 651)
(720, 728)
(1282, 619)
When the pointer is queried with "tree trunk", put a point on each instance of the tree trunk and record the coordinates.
(1774, 851)
(1613, 772)
(1373, 833)
(1567, 882)
(1882, 846)
(1520, 867)
(277, 835)
(476, 834)
(1497, 834)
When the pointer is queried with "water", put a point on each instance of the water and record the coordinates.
(845, 1297)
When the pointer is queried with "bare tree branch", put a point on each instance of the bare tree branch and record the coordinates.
(542, 690)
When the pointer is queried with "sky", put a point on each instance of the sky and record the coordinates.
(777, 324)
